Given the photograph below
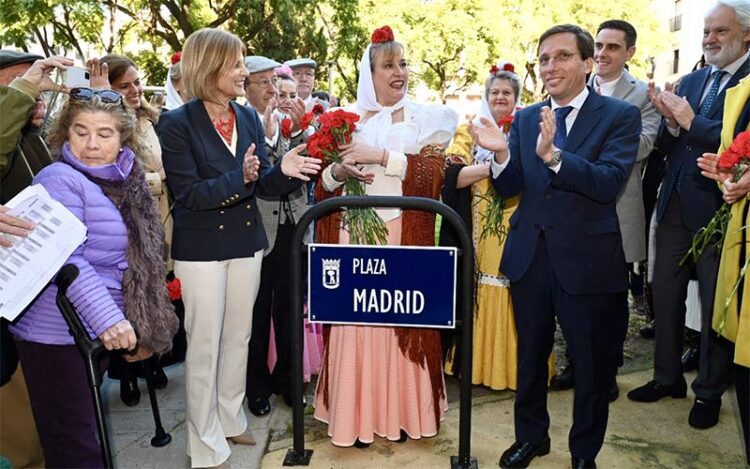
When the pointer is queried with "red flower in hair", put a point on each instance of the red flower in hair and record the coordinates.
(508, 67)
(286, 127)
(318, 109)
(176, 57)
(384, 34)
(494, 69)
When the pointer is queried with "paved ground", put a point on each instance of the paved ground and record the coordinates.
(639, 435)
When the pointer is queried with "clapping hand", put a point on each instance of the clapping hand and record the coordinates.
(251, 165)
(490, 137)
(294, 165)
(296, 113)
(547, 129)
(99, 72)
(680, 108)
(269, 119)
(656, 99)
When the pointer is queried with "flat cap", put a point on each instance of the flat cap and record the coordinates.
(13, 57)
(302, 62)
(258, 63)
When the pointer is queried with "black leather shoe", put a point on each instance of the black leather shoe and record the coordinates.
(160, 378)
(563, 380)
(402, 439)
(578, 463)
(614, 391)
(259, 406)
(520, 454)
(653, 391)
(648, 331)
(129, 392)
(690, 359)
(704, 414)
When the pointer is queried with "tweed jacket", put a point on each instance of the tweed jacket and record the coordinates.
(272, 207)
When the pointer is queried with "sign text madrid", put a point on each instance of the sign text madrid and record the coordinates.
(382, 285)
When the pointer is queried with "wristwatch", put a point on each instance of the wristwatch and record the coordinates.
(556, 158)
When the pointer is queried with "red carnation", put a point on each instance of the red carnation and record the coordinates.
(494, 69)
(176, 57)
(508, 67)
(384, 34)
(286, 127)
(306, 120)
(318, 109)
(505, 122)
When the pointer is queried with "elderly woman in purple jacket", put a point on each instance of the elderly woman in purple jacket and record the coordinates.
(121, 269)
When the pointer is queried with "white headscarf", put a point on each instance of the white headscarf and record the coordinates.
(484, 155)
(174, 100)
(375, 130)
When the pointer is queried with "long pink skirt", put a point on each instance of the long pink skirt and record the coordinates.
(373, 389)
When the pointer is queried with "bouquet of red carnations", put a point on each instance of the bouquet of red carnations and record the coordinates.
(736, 160)
(333, 129)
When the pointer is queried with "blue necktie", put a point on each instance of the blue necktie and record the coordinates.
(561, 132)
(712, 92)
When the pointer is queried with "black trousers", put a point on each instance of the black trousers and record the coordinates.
(593, 329)
(673, 240)
(274, 301)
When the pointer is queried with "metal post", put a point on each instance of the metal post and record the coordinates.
(298, 455)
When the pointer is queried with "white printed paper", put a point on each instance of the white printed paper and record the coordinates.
(29, 265)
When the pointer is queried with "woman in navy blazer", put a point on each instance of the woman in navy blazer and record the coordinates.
(216, 164)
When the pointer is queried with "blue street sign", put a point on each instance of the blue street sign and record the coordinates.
(410, 286)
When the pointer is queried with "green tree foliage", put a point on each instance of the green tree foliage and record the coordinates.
(450, 44)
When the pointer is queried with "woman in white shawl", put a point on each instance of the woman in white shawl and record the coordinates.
(380, 380)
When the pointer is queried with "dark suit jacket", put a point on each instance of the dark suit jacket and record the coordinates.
(576, 206)
(215, 214)
(700, 197)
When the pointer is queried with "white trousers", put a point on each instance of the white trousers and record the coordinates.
(219, 298)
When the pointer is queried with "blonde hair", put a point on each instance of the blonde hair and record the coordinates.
(385, 49)
(123, 114)
(207, 53)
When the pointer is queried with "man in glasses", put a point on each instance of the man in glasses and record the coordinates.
(260, 92)
(23, 77)
(568, 157)
(303, 70)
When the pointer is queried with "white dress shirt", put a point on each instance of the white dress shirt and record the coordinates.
(576, 103)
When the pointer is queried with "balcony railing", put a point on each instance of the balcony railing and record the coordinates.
(675, 23)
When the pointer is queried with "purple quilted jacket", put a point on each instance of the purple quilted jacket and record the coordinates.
(97, 292)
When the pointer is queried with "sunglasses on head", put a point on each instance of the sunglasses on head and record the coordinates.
(87, 94)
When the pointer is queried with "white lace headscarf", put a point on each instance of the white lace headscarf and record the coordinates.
(482, 154)
(174, 100)
(375, 130)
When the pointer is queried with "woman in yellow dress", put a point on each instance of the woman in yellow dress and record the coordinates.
(732, 307)
(467, 188)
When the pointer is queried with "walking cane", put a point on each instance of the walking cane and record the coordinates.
(91, 351)
(161, 438)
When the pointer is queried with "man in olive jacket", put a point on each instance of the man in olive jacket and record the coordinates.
(23, 153)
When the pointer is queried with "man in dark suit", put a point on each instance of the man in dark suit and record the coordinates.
(691, 126)
(564, 253)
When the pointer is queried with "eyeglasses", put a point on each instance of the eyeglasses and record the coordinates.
(560, 58)
(87, 94)
(263, 83)
(300, 74)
